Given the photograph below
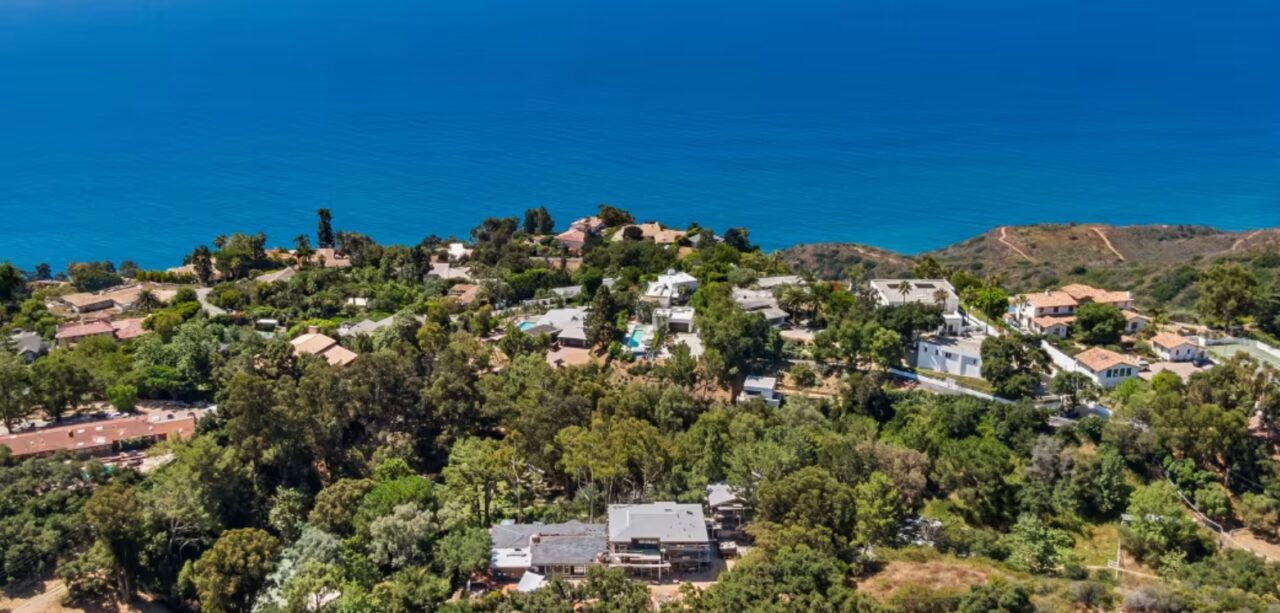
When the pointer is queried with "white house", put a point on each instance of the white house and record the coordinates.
(671, 288)
(956, 355)
(1174, 348)
(761, 301)
(1053, 312)
(937, 292)
(1107, 368)
(570, 324)
(678, 318)
(764, 388)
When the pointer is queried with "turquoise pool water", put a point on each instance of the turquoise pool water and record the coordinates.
(636, 338)
(525, 325)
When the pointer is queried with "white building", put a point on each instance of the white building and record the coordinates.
(1107, 368)
(570, 324)
(1174, 348)
(937, 292)
(763, 302)
(956, 355)
(671, 288)
(764, 388)
(677, 319)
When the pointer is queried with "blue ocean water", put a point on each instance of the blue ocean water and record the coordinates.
(139, 128)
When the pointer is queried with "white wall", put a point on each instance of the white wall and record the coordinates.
(947, 359)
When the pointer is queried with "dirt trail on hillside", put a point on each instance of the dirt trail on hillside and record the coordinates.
(1004, 239)
(1103, 235)
(1244, 239)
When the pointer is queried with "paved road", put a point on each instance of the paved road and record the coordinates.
(213, 311)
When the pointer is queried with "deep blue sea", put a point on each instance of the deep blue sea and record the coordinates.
(139, 128)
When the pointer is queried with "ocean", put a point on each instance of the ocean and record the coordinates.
(137, 129)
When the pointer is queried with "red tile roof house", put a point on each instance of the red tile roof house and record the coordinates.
(324, 346)
(572, 239)
(102, 437)
(70, 334)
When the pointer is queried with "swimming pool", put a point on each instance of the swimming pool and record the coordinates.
(637, 338)
(525, 325)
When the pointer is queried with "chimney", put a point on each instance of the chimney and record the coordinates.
(313, 330)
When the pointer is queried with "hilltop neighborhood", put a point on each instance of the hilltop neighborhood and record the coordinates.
(627, 410)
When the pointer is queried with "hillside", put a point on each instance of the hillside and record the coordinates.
(1157, 261)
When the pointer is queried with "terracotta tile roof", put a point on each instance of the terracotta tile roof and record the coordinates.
(324, 346)
(338, 355)
(83, 329)
(1098, 359)
(1134, 315)
(97, 436)
(1080, 291)
(1168, 340)
(464, 293)
(81, 300)
(1050, 299)
(128, 328)
(1047, 322)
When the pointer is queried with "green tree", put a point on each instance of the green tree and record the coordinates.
(1074, 387)
(990, 301)
(1099, 324)
(1035, 547)
(538, 221)
(614, 217)
(998, 596)
(1158, 525)
(335, 506)
(602, 319)
(462, 552)
(410, 590)
(812, 498)
(879, 509)
(302, 249)
(115, 515)
(1013, 364)
(324, 229)
(1261, 513)
(15, 386)
(1228, 292)
(60, 383)
(201, 260)
(230, 574)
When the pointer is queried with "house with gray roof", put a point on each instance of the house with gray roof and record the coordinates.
(571, 324)
(27, 345)
(659, 536)
(563, 550)
(729, 510)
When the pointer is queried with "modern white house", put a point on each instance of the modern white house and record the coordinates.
(956, 355)
(1174, 348)
(937, 292)
(676, 318)
(670, 288)
(763, 388)
(761, 301)
(778, 281)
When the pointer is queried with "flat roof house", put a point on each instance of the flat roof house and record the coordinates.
(937, 292)
(763, 388)
(84, 302)
(651, 538)
(956, 355)
(677, 319)
(565, 550)
(1174, 348)
(761, 301)
(670, 288)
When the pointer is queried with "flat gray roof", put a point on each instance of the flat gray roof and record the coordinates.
(666, 522)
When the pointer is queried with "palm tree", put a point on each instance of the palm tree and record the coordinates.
(302, 249)
(1020, 302)
(147, 300)
(940, 297)
(904, 288)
